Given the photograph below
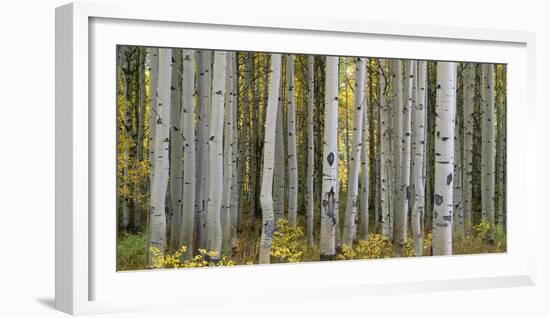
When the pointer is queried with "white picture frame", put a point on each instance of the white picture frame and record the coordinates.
(85, 279)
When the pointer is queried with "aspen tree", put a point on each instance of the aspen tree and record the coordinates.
(417, 159)
(204, 104)
(488, 149)
(176, 152)
(215, 162)
(469, 87)
(330, 165)
(157, 215)
(402, 210)
(188, 125)
(350, 224)
(291, 141)
(385, 153)
(445, 106)
(266, 198)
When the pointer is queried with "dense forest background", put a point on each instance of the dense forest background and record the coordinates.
(230, 158)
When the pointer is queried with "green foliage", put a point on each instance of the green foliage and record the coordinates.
(289, 244)
(480, 242)
(131, 252)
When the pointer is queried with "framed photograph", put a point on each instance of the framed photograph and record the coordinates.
(255, 158)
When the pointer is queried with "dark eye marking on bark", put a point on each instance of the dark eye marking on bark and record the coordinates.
(445, 138)
(449, 178)
(330, 158)
(219, 93)
(438, 86)
(447, 218)
(438, 199)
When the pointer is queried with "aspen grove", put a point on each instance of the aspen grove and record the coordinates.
(234, 158)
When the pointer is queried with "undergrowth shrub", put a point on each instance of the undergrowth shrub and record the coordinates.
(204, 258)
(131, 252)
(288, 244)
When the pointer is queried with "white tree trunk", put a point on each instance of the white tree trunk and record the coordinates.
(227, 158)
(188, 125)
(488, 149)
(385, 153)
(365, 171)
(469, 94)
(153, 115)
(417, 159)
(204, 104)
(402, 210)
(350, 217)
(396, 147)
(215, 162)
(157, 217)
(330, 163)
(266, 198)
(442, 243)
(291, 141)
(280, 158)
(310, 148)
(176, 152)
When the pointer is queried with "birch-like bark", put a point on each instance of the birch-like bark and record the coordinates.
(227, 158)
(204, 104)
(291, 143)
(266, 198)
(365, 171)
(458, 211)
(235, 193)
(396, 147)
(350, 217)
(417, 163)
(488, 149)
(330, 163)
(188, 125)
(215, 160)
(402, 210)
(469, 95)
(310, 150)
(280, 158)
(157, 215)
(385, 153)
(442, 243)
(176, 152)
(153, 115)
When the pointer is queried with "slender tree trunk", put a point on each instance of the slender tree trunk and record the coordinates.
(396, 148)
(188, 125)
(469, 94)
(235, 193)
(417, 164)
(488, 150)
(458, 211)
(157, 217)
(280, 158)
(350, 223)
(215, 162)
(227, 159)
(330, 165)
(310, 150)
(204, 104)
(401, 216)
(385, 153)
(442, 243)
(176, 152)
(266, 199)
(292, 158)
